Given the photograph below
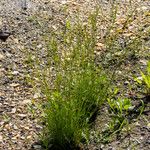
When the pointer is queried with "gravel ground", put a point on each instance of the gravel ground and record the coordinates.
(18, 128)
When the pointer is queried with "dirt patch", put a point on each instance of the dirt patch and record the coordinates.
(28, 21)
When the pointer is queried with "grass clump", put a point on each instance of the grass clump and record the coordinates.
(73, 85)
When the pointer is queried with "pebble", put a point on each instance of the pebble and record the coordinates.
(39, 46)
(29, 137)
(137, 124)
(36, 95)
(1, 57)
(37, 146)
(63, 2)
(126, 82)
(8, 54)
(1, 138)
(22, 115)
(140, 78)
(144, 62)
(27, 101)
(15, 73)
(15, 127)
(13, 111)
(14, 84)
(148, 125)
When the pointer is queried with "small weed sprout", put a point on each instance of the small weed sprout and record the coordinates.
(145, 79)
(119, 109)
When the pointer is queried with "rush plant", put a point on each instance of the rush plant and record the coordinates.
(73, 85)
